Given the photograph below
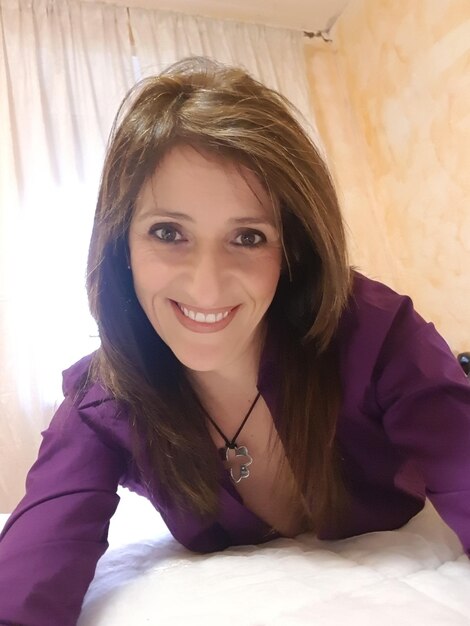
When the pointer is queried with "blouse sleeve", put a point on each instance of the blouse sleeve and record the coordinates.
(425, 398)
(52, 541)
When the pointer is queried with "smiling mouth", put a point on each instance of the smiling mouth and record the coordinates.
(199, 316)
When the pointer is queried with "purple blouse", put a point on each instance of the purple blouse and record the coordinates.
(403, 433)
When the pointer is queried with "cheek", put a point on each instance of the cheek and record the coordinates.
(149, 276)
(265, 273)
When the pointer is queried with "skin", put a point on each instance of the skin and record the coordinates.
(222, 252)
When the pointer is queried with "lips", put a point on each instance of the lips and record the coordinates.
(208, 317)
(203, 321)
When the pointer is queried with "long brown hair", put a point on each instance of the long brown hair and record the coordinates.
(225, 111)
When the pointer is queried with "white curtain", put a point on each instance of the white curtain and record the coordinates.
(273, 55)
(64, 68)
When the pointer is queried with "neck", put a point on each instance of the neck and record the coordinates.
(238, 378)
(234, 383)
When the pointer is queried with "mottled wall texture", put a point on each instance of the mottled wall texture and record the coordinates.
(392, 98)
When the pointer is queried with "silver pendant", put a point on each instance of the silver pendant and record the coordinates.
(237, 462)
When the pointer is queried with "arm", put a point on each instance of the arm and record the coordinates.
(425, 399)
(52, 541)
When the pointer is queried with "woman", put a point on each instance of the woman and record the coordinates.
(249, 382)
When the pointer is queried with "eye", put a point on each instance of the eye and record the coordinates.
(250, 239)
(166, 233)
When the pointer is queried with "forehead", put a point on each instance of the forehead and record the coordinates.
(192, 180)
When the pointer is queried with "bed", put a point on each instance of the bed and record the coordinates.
(415, 575)
(412, 576)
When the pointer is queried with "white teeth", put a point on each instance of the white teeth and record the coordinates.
(210, 318)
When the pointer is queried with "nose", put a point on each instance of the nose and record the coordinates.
(207, 277)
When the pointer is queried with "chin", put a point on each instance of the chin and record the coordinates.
(201, 363)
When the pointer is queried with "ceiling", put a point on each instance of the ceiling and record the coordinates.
(309, 15)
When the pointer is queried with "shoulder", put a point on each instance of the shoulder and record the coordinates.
(373, 312)
(379, 312)
(378, 323)
(93, 404)
(381, 332)
(78, 385)
(373, 302)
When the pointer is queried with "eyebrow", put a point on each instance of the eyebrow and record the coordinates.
(177, 215)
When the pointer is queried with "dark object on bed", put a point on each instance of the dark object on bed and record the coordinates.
(464, 360)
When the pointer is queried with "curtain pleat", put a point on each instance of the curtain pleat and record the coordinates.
(64, 68)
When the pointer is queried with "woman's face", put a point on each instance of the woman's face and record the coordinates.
(205, 258)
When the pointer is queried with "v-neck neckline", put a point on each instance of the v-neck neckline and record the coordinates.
(246, 524)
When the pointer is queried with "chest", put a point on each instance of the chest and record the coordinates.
(269, 490)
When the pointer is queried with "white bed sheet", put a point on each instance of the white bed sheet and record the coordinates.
(417, 575)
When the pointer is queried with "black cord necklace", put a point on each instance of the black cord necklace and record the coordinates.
(237, 457)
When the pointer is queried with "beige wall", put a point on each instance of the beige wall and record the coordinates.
(392, 99)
